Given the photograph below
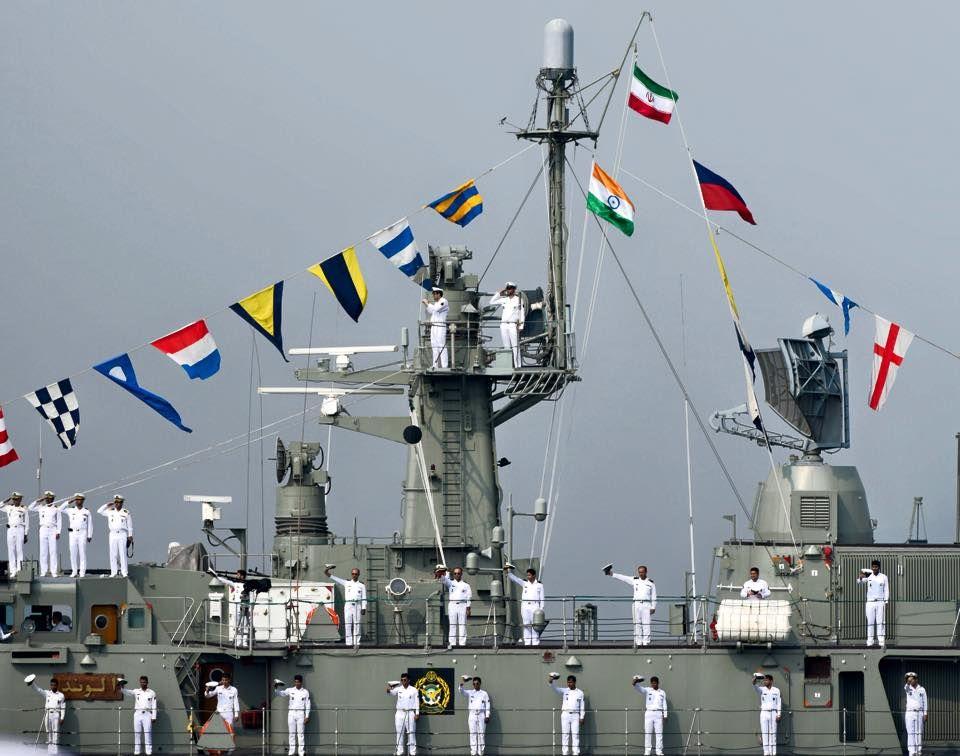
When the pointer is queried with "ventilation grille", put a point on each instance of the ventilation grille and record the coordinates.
(815, 512)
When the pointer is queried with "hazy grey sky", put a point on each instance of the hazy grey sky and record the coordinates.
(161, 160)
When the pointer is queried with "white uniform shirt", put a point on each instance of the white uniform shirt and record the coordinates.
(48, 515)
(512, 308)
(656, 699)
(878, 587)
(769, 698)
(354, 592)
(408, 699)
(458, 591)
(299, 699)
(53, 701)
(16, 516)
(144, 700)
(228, 700)
(572, 699)
(438, 310)
(916, 698)
(118, 521)
(80, 519)
(531, 591)
(643, 590)
(755, 585)
(477, 700)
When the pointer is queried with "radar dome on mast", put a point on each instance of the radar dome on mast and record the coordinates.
(558, 45)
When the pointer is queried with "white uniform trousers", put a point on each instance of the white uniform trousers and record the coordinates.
(477, 726)
(768, 732)
(438, 341)
(227, 717)
(142, 726)
(295, 722)
(53, 730)
(641, 623)
(78, 554)
(49, 553)
(457, 614)
(570, 729)
(876, 620)
(511, 341)
(15, 548)
(913, 722)
(530, 636)
(404, 723)
(653, 725)
(118, 554)
(352, 623)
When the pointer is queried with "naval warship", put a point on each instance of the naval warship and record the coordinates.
(812, 533)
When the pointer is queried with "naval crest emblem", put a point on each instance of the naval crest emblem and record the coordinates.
(436, 690)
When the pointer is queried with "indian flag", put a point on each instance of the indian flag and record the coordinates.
(608, 201)
(650, 99)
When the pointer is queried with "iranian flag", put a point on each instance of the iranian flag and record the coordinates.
(650, 99)
(608, 201)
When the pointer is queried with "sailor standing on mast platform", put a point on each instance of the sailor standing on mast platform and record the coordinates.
(17, 521)
(878, 593)
(120, 523)
(438, 310)
(354, 604)
(915, 714)
(408, 712)
(771, 703)
(511, 318)
(644, 601)
(50, 526)
(80, 525)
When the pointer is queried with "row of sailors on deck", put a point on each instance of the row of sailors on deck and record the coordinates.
(50, 515)
(512, 319)
(572, 714)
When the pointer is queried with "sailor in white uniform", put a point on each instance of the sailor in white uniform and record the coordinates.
(478, 714)
(298, 713)
(54, 710)
(120, 523)
(407, 714)
(755, 589)
(511, 318)
(915, 714)
(459, 595)
(17, 522)
(878, 593)
(571, 713)
(354, 604)
(228, 699)
(530, 601)
(655, 714)
(438, 310)
(644, 601)
(50, 525)
(770, 708)
(80, 526)
(144, 714)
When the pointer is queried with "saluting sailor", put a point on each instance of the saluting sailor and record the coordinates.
(915, 713)
(354, 604)
(120, 523)
(298, 712)
(478, 714)
(571, 713)
(17, 522)
(407, 714)
(878, 593)
(144, 714)
(54, 710)
(80, 525)
(755, 589)
(438, 310)
(228, 699)
(655, 714)
(459, 595)
(512, 318)
(770, 708)
(530, 601)
(644, 601)
(50, 525)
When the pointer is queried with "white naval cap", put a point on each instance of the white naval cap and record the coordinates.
(638, 678)
(29, 679)
(466, 677)
(212, 684)
(509, 285)
(608, 568)
(77, 495)
(121, 681)
(554, 675)
(118, 497)
(509, 566)
(437, 288)
(910, 674)
(278, 682)
(49, 494)
(393, 683)
(15, 495)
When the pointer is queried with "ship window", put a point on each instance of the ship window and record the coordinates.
(817, 667)
(101, 621)
(51, 618)
(6, 616)
(815, 512)
(136, 617)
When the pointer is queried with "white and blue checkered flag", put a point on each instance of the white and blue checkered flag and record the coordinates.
(58, 405)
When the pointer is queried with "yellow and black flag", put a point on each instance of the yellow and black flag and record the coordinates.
(461, 205)
(342, 275)
(264, 311)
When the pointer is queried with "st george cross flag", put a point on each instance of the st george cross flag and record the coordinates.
(7, 453)
(396, 243)
(58, 405)
(840, 300)
(193, 349)
(889, 348)
(120, 371)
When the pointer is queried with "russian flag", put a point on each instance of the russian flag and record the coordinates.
(193, 349)
(719, 194)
